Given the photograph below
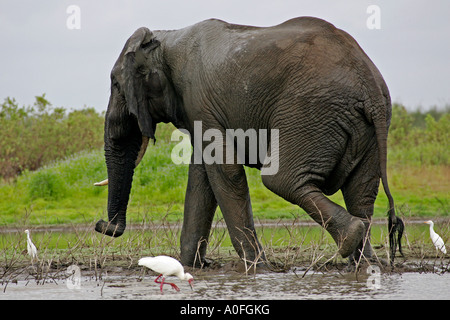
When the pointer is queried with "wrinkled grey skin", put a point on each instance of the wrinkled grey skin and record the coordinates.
(304, 77)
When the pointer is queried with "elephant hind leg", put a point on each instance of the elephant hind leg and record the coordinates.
(360, 192)
(346, 230)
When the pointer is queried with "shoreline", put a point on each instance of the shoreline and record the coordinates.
(158, 225)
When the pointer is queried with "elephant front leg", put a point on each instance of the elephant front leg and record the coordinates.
(229, 184)
(199, 208)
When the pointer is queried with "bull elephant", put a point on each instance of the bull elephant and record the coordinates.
(305, 78)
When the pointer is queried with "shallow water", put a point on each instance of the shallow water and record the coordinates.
(269, 286)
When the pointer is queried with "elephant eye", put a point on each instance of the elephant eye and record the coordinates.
(115, 84)
(143, 70)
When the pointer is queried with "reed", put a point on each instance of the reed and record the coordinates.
(288, 245)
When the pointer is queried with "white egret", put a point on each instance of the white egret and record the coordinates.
(435, 238)
(31, 248)
(166, 266)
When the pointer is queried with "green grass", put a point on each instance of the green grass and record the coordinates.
(63, 191)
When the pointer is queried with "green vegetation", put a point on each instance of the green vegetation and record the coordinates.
(49, 160)
(419, 139)
(34, 136)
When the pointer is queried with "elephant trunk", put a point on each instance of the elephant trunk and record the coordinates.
(138, 160)
(120, 162)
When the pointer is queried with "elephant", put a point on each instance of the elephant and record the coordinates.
(305, 78)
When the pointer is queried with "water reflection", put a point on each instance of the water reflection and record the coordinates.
(279, 286)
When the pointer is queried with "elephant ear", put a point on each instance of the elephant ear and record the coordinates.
(134, 71)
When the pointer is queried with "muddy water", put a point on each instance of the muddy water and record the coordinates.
(268, 286)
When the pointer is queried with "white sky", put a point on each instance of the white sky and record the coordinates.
(39, 54)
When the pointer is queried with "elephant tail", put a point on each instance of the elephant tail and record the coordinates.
(380, 116)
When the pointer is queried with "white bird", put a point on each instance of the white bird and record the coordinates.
(31, 248)
(166, 266)
(435, 238)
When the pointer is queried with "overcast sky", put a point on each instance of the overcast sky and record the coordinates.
(40, 54)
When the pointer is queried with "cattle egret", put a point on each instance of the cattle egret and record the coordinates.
(435, 238)
(166, 266)
(31, 248)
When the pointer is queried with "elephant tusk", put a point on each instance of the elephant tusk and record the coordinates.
(101, 183)
(142, 150)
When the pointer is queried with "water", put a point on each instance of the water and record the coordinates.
(268, 286)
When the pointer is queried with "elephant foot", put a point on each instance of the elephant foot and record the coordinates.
(240, 266)
(195, 263)
(366, 255)
(364, 263)
(347, 231)
(347, 234)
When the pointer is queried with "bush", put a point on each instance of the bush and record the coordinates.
(419, 139)
(47, 185)
(34, 136)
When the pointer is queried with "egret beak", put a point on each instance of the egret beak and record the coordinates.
(191, 284)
